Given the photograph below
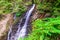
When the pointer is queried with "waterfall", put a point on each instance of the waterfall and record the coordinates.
(21, 32)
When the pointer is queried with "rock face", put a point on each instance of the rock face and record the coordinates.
(4, 26)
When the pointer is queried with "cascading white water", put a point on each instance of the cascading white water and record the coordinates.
(22, 32)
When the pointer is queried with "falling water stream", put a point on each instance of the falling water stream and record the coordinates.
(21, 31)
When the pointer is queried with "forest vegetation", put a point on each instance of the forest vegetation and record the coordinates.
(43, 28)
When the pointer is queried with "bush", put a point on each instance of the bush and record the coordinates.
(45, 29)
(49, 6)
(10, 6)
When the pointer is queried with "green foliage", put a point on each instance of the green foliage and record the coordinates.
(10, 6)
(51, 6)
(20, 39)
(21, 11)
(44, 29)
(36, 1)
(28, 3)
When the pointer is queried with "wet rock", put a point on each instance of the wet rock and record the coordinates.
(4, 25)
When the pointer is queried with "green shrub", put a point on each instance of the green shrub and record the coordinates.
(49, 6)
(21, 11)
(45, 29)
(10, 6)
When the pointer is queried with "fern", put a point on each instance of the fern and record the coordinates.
(11, 6)
(49, 6)
(44, 29)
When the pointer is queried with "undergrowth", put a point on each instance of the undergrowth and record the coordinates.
(21, 11)
(11, 6)
(49, 6)
(45, 29)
